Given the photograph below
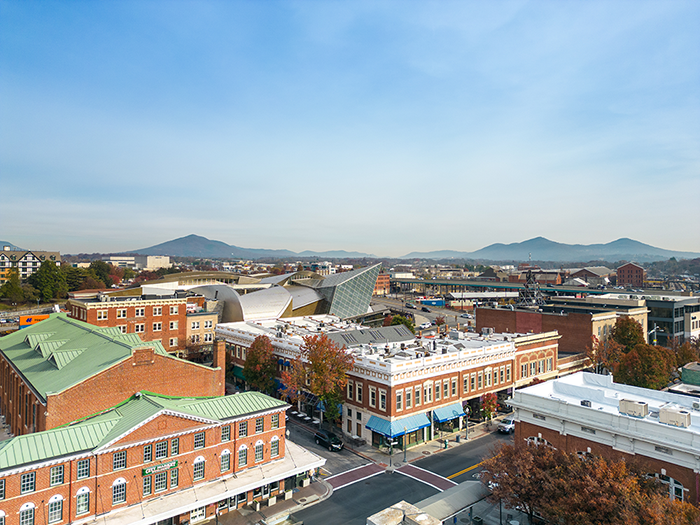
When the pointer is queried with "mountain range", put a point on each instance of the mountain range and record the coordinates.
(198, 246)
(541, 249)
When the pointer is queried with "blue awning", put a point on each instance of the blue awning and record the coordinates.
(396, 427)
(443, 414)
(280, 361)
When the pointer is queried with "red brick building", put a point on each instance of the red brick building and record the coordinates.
(154, 459)
(160, 319)
(631, 274)
(61, 369)
(383, 284)
(590, 414)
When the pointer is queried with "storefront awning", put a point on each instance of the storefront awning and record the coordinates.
(397, 427)
(452, 411)
(238, 372)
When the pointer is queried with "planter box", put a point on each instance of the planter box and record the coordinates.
(288, 495)
(305, 482)
(272, 501)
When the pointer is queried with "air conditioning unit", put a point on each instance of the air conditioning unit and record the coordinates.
(634, 408)
(676, 417)
(585, 403)
(696, 405)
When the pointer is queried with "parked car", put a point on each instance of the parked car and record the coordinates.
(506, 426)
(467, 316)
(328, 440)
(410, 306)
(425, 326)
(425, 309)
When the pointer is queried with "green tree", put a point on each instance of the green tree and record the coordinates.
(12, 289)
(260, 365)
(100, 270)
(50, 281)
(646, 366)
(400, 319)
(628, 333)
(75, 277)
(31, 294)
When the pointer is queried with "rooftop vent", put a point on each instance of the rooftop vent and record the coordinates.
(634, 408)
(585, 403)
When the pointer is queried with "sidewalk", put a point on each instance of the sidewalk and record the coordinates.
(320, 490)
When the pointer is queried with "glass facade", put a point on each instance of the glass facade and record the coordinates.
(349, 293)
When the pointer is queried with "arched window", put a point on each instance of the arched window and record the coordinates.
(56, 509)
(2, 517)
(259, 451)
(242, 456)
(275, 447)
(26, 514)
(198, 468)
(118, 491)
(82, 501)
(225, 460)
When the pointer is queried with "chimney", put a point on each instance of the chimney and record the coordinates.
(219, 355)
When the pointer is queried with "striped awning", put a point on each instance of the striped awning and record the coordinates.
(452, 411)
(397, 427)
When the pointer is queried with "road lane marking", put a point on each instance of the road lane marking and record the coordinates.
(464, 471)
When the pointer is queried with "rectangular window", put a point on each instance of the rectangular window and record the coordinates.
(382, 399)
(523, 370)
(147, 485)
(199, 440)
(258, 452)
(243, 457)
(275, 421)
(259, 425)
(208, 338)
(418, 391)
(175, 447)
(140, 312)
(198, 514)
(243, 429)
(56, 511)
(56, 475)
(351, 389)
(399, 400)
(173, 325)
(83, 468)
(147, 453)
(508, 374)
(162, 450)
(533, 368)
(157, 327)
(550, 364)
(454, 387)
(118, 493)
(82, 503)
(199, 470)
(173, 310)
(503, 370)
(173, 341)
(209, 324)
(195, 338)
(121, 314)
(372, 396)
(487, 378)
(27, 483)
(408, 398)
(157, 310)
(174, 478)
(275, 448)
(480, 380)
(160, 481)
(26, 517)
(465, 385)
(226, 433)
(2, 489)
(195, 325)
(437, 390)
(119, 460)
(122, 328)
(445, 389)
(139, 328)
(101, 315)
(359, 392)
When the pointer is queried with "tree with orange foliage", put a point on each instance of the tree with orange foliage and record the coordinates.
(261, 365)
(321, 369)
(604, 354)
(564, 488)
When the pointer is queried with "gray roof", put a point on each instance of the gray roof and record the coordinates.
(386, 334)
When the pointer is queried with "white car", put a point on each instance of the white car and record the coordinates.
(425, 326)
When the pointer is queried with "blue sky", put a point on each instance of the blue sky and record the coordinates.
(381, 127)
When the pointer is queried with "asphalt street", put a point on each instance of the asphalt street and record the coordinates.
(352, 505)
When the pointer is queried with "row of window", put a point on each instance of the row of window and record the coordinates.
(207, 324)
(56, 477)
(138, 312)
(53, 515)
(536, 367)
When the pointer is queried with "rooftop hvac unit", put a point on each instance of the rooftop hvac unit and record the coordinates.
(696, 405)
(585, 403)
(634, 408)
(676, 417)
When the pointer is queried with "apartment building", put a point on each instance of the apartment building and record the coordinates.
(25, 262)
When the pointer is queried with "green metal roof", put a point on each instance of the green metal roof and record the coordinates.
(60, 352)
(100, 430)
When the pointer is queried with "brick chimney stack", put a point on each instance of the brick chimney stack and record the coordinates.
(219, 360)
